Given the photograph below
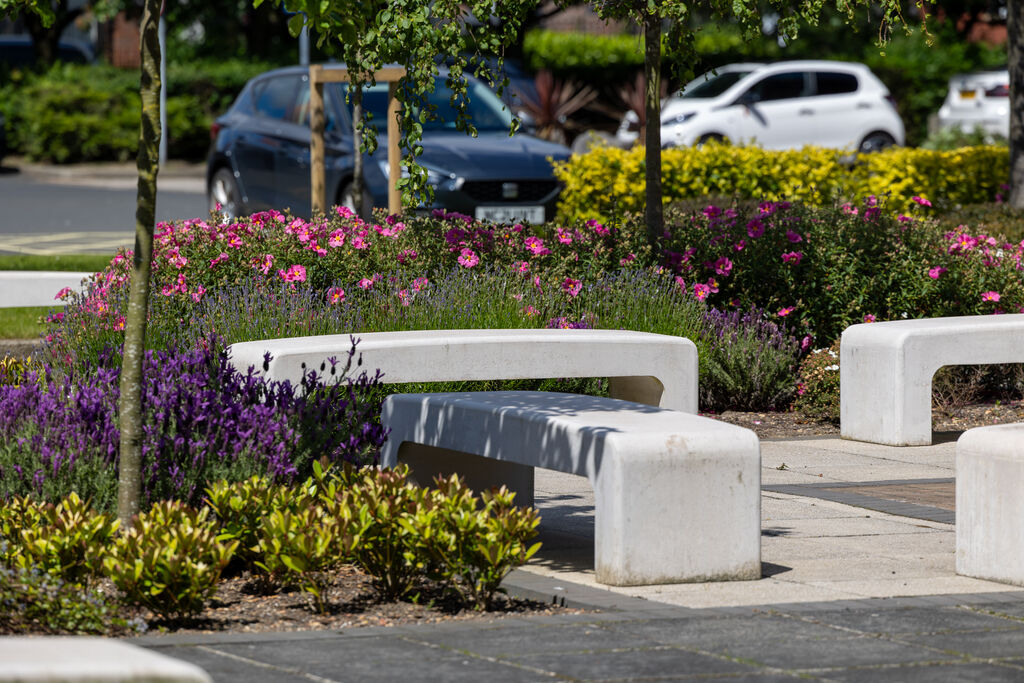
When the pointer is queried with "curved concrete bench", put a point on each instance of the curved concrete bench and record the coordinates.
(990, 504)
(65, 659)
(886, 369)
(655, 369)
(677, 496)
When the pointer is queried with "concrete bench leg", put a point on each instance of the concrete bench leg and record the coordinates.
(989, 504)
(882, 399)
(694, 521)
(480, 474)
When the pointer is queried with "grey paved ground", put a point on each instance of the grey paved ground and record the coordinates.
(966, 638)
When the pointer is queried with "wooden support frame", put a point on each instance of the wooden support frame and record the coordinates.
(320, 74)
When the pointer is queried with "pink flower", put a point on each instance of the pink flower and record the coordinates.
(904, 219)
(801, 389)
(723, 266)
(936, 272)
(407, 256)
(783, 312)
(336, 239)
(564, 236)
(700, 292)
(344, 211)
(419, 283)
(63, 294)
(597, 227)
(921, 200)
(792, 257)
(849, 209)
(530, 310)
(219, 259)
(359, 242)
(405, 297)
(739, 246)
(366, 283)
(521, 267)
(755, 228)
(266, 264)
(468, 258)
(536, 246)
(335, 295)
(870, 318)
(805, 343)
(681, 282)
(628, 258)
(794, 237)
(295, 273)
(198, 293)
(990, 296)
(571, 287)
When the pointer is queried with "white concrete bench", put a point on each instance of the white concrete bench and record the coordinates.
(36, 287)
(65, 659)
(886, 369)
(990, 504)
(677, 496)
(655, 369)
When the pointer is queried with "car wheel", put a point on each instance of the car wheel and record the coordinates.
(710, 137)
(876, 142)
(224, 191)
(347, 198)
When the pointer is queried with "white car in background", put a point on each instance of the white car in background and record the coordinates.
(784, 105)
(978, 100)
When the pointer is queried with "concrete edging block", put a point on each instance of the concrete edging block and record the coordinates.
(989, 504)
(36, 287)
(72, 659)
(677, 496)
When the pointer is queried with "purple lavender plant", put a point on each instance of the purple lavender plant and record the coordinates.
(203, 421)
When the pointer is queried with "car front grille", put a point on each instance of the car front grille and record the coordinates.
(499, 190)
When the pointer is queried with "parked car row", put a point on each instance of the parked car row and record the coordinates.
(978, 100)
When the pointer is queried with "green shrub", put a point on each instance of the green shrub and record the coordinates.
(68, 540)
(77, 112)
(1000, 219)
(240, 508)
(818, 384)
(609, 182)
(472, 542)
(32, 600)
(955, 137)
(17, 514)
(170, 560)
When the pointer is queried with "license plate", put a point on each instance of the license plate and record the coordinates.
(510, 214)
(967, 94)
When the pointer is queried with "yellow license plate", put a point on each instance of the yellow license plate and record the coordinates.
(966, 94)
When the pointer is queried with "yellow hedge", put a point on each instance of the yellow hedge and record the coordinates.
(608, 181)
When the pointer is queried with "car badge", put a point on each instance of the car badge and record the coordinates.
(509, 190)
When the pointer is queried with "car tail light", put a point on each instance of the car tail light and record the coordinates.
(215, 130)
(998, 91)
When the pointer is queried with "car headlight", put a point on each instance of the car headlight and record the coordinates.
(435, 177)
(677, 118)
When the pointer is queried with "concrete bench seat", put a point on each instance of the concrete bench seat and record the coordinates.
(677, 496)
(989, 504)
(655, 369)
(36, 287)
(886, 369)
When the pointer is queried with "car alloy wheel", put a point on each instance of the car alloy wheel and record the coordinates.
(224, 191)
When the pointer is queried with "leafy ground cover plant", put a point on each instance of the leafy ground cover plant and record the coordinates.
(818, 384)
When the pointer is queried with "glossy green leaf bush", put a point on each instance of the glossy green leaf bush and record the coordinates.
(170, 560)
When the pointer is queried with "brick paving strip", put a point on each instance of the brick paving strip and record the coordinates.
(930, 499)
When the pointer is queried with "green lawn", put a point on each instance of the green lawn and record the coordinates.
(21, 323)
(69, 262)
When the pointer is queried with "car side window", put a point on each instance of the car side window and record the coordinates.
(835, 83)
(782, 86)
(300, 113)
(276, 98)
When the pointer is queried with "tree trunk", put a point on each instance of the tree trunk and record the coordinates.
(129, 491)
(1015, 40)
(654, 215)
(357, 161)
(45, 39)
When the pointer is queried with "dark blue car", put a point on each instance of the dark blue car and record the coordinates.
(259, 156)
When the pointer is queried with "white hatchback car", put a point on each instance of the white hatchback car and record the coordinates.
(978, 100)
(783, 105)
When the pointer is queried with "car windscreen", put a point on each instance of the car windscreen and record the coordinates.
(713, 86)
(483, 108)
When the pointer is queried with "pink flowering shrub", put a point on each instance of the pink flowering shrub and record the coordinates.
(822, 269)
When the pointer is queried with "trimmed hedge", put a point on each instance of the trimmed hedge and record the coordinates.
(80, 112)
(609, 182)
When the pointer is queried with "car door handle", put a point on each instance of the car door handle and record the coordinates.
(863, 105)
(806, 112)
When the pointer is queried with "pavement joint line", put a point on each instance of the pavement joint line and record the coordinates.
(480, 656)
(265, 665)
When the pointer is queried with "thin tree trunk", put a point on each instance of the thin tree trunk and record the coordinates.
(1015, 39)
(654, 216)
(129, 491)
(357, 160)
